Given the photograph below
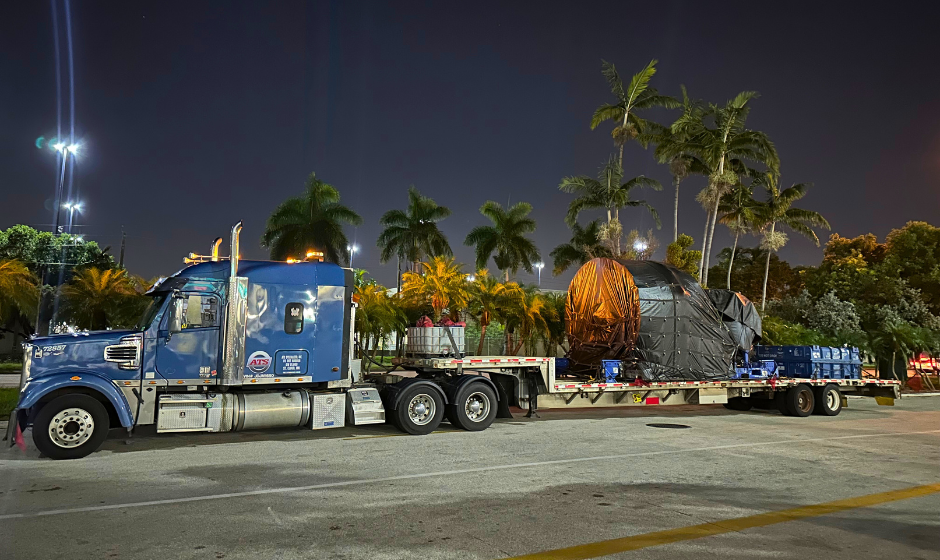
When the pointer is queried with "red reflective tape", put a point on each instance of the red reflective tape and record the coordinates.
(652, 400)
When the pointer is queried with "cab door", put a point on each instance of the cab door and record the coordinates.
(192, 354)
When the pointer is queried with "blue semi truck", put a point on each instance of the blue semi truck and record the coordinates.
(230, 345)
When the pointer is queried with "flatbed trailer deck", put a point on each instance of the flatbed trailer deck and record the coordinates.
(521, 378)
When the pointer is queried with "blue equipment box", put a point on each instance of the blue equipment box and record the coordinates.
(562, 365)
(611, 370)
(757, 370)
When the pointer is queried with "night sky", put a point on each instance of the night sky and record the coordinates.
(194, 115)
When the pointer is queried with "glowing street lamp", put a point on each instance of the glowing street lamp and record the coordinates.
(540, 266)
(353, 249)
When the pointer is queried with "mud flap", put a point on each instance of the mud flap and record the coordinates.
(11, 428)
(505, 390)
(884, 401)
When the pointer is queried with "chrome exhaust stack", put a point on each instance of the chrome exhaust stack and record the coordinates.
(215, 249)
(233, 256)
(236, 318)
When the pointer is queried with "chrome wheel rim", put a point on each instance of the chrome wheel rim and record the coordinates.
(477, 407)
(421, 409)
(832, 400)
(71, 427)
(803, 403)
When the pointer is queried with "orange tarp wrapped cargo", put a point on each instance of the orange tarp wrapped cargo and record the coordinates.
(653, 316)
(602, 316)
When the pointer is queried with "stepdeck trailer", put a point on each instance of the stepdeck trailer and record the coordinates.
(532, 384)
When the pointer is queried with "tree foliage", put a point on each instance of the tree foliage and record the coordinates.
(747, 273)
(413, 234)
(310, 222)
(19, 290)
(507, 239)
(52, 253)
(584, 246)
(680, 256)
(97, 299)
(378, 316)
(442, 284)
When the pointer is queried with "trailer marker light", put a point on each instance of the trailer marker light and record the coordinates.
(277, 380)
(300, 379)
(75, 378)
(254, 380)
(180, 382)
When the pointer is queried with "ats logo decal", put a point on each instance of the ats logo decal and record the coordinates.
(259, 362)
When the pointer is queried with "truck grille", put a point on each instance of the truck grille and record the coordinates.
(126, 354)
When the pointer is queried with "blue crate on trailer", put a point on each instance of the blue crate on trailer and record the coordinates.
(788, 353)
(852, 371)
(562, 365)
(611, 370)
(797, 369)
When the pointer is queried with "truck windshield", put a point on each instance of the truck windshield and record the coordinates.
(155, 304)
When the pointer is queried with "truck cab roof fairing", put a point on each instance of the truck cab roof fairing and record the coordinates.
(276, 272)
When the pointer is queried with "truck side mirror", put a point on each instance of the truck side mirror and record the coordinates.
(176, 317)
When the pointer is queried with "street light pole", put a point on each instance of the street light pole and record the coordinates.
(540, 266)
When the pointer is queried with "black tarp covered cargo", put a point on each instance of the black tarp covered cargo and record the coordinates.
(680, 333)
(740, 316)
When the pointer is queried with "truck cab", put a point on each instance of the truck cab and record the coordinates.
(223, 344)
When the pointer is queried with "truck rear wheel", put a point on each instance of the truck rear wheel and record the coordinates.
(798, 401)
(70, 427)
(474, 407)
(419, 411)
(828, 400)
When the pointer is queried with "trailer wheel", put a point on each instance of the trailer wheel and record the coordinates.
(828, 400)
(798, 401)
(70, 427)
(741, 404)
(474, 407)
(419, 411)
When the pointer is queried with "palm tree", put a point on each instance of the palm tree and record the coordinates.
(19, 289)
(488, 299)
(585, 245)
(738, 211)
(555, 334)
(673, 146)
(376, 317)
(637, 96)
(313, 221)
(506, 239)
(97, 299)
(778, 209)
(718, 147)
(609, 193)
(413, 234)
(528, 314)
(442, 284)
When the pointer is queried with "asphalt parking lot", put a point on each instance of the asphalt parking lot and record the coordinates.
(584, 484)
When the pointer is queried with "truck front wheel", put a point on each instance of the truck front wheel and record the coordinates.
(420, 410)
(474, 407)
(70, 427)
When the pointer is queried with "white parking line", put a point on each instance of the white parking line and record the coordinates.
(360, 482)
